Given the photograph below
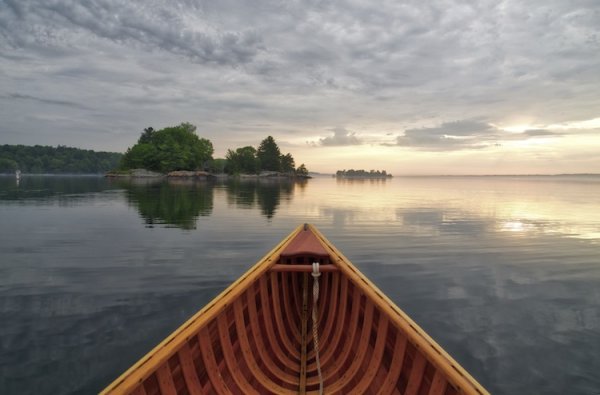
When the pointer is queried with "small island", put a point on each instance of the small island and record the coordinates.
(372, 174)
(178, 152)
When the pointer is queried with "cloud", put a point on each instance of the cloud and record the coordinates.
(464, 135)
(57, 102)
(449, 136)
(340, 137)
(150, 26)
(539, 133)
(243, 70)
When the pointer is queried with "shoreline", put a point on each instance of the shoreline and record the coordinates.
(199, 175)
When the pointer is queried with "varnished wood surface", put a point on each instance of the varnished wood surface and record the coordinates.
(256, 337)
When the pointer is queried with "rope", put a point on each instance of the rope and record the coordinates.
(302, 384)
(316, 274)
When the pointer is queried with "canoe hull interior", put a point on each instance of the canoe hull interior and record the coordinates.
(256, 338)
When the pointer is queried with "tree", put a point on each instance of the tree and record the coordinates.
(269, 155)
(168, 149)
(302, 171)
(233, 165)
(242, 160)
(8, 165)
(218, 165)
(146, 137)
(287, 163)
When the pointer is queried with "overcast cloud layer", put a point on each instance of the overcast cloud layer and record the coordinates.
(320, 76)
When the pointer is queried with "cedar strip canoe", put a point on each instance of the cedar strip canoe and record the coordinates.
(256, 336)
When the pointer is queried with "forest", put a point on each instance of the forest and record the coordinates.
(39, 159)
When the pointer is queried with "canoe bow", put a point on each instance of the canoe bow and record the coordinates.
(256, 336)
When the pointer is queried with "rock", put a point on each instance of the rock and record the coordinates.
(135, 173)
(188, 174)
(145, 173)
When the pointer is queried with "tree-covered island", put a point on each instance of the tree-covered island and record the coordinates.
(178, 151)
(373, 174)
(169, 149)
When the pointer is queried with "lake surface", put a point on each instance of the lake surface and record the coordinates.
(503, 272)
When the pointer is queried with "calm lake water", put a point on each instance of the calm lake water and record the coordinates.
(504, 272)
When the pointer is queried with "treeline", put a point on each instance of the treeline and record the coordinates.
(267, 157)
(55, 160)
(362, 174)
(179, 148)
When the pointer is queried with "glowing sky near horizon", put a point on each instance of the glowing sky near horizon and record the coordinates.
(492, 87)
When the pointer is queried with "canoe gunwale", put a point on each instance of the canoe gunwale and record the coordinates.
(434, 353)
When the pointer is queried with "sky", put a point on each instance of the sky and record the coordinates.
(412, 87)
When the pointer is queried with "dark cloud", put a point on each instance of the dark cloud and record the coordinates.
(127, 23)
(467, 134)
(539, 133)
(15, 6)
(464, 135)
(55, 102)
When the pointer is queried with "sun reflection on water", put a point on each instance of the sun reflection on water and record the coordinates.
(513, 226)
(427, 205)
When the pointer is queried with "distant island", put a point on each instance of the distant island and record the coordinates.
(372, 174)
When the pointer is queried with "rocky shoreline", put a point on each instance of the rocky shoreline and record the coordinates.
(198, 175)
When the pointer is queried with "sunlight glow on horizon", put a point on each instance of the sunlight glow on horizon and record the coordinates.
(569, 150)
(581, 125)
(539, 155)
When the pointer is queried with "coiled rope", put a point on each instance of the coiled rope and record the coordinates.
(316, 274)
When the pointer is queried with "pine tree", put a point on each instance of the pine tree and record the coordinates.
(269, 155)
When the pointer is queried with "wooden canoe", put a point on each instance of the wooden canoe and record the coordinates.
(256, 337)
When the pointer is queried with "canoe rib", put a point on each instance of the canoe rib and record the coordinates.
(249, 339)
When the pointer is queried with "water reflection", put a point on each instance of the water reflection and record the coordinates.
(503, 272)
(180, 203)
(46, 189)
(177, 203)
(264, 194)
(517, 206)
(359, 180)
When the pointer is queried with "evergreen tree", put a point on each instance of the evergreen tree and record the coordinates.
(146, 137)
(269, 155)
(287, 163)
